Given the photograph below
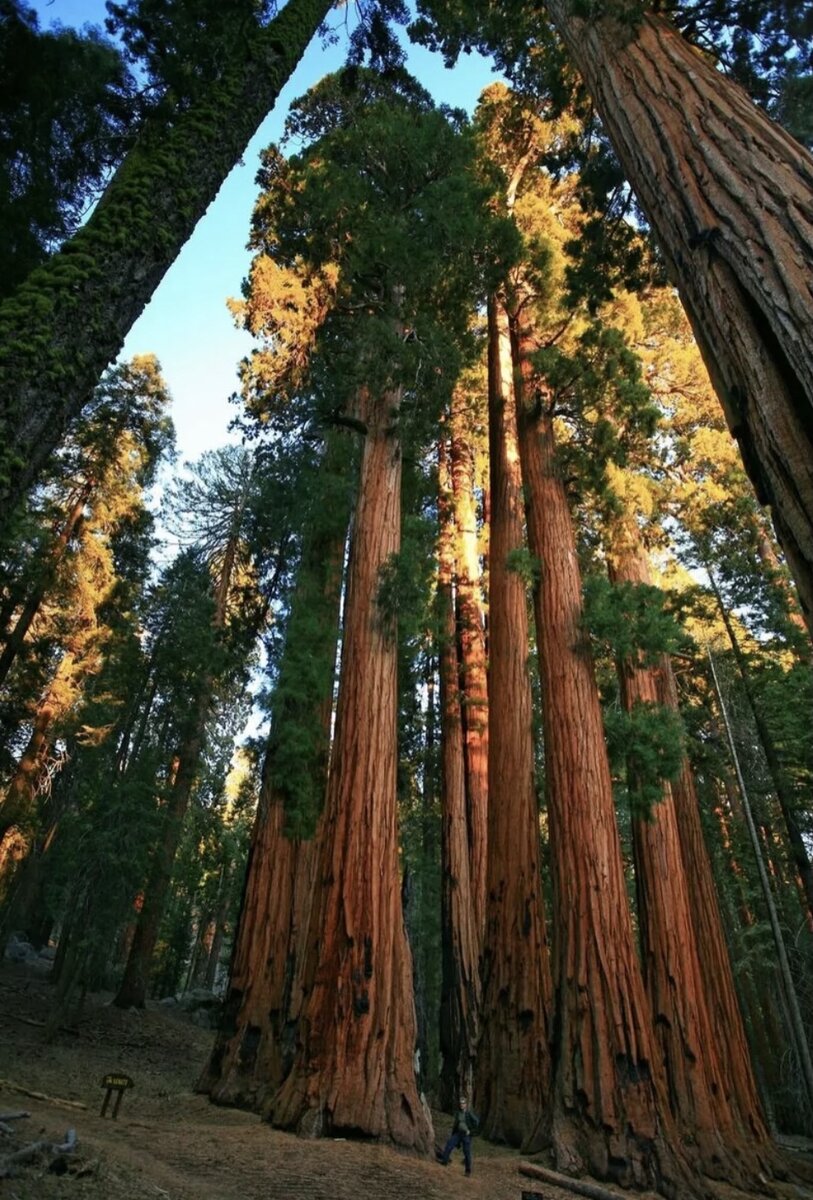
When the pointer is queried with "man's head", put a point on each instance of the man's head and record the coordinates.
(463, 1102)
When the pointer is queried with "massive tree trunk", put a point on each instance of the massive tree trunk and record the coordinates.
(513, 1068)
(101, 280)
(471, 652)
(728, 1033)
(354, 1067)
(258, 1035)
(610, 1116)
(728, 195)
(460, 933)
(705, 1111)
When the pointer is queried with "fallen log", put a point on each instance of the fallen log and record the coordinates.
(33, 1151)
(23, 1091)
(593, 1191)
(14, 1116)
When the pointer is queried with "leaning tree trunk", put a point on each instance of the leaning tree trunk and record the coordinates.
(471, 653)
(705, 1112)
(728, 1032)
(460, 933)
(513, 1068)
(354, 1070)
(101, 280)
(728, 195)
(258, 1035)
(610, 1115)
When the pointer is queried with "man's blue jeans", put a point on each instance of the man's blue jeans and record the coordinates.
(459, 1139)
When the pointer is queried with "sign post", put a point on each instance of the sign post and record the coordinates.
(115, 1083)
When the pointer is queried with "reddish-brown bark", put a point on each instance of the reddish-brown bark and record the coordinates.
(705, 1110)
(354, 1068)
(728, 195)
(609, 1114)
(257, 1040)
(460, 932)
(513, 1068)
(728, 1033)
(471, 654)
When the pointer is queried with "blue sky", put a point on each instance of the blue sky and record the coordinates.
(187, 324)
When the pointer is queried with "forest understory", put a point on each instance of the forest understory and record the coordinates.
(167, 1141)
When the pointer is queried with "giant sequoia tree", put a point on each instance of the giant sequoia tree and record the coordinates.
(368, 242)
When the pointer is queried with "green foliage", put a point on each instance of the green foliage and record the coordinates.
(630, 619)
(647, 744)
(65, 111)
(522, 563)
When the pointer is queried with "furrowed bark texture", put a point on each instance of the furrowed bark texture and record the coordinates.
(706, 1113)
(353, 1071)
(513, 1069)
(728, 1032)
(460, 966)
(256, 1044)
(608, 1102)
(729, 196)
(471, 656)
(257, 1039)
(100, 281)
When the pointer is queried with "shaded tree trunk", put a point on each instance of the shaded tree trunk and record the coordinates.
(258, 1035)
(781, 787)
(705, 1110)
(132, 991)
(460, 934)
(513, 1068)
(609, 1114)
(101, 280)
(354, 1069)
(728, 1033)
(471, 653)
(728, 195)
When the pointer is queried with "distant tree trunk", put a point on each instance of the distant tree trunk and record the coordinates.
(133, 989)
(610, 1116)
(38, 592)
(781, 581)
(460, 935)
(728, 1033)
(706, 1112)
(101, 280)
(354, 1068)
(471, 656)
(258, 1035)
(513, 1068)
(781, 787)
(728, 195)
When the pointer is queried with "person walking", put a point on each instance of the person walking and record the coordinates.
(465, 1124)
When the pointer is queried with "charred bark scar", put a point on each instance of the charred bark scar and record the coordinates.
(368, 958)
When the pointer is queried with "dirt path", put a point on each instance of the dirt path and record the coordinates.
(170, 1142)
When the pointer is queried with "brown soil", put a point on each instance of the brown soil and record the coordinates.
(169, 1142)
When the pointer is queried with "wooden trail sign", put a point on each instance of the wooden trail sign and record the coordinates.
(115, 1083)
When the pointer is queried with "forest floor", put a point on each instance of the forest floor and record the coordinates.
(169, 1142)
